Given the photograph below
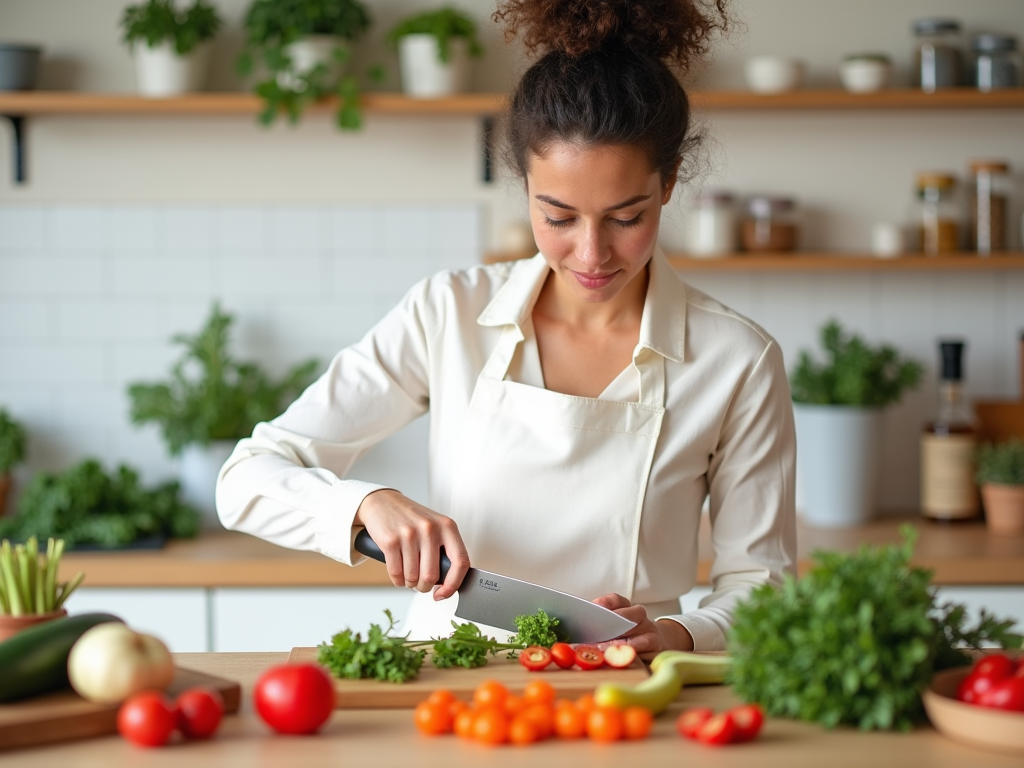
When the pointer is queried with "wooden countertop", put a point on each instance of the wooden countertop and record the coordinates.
(961, 554)
(387, 738)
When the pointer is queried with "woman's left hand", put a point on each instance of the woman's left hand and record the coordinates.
(648, 637)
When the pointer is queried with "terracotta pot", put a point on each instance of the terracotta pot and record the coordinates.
(5, 487)
(12, 625)
(1004, 509)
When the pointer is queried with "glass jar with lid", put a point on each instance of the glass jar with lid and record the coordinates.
(938, 58)
(770, 224)
(938, 214)
(995, 62)
(990, 205)
(712, 224)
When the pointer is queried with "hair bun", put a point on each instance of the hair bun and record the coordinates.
(678, 31)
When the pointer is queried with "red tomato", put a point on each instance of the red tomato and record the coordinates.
(720, 729)
(748, 719)
(564, 655)
(619, 655)
(199, 712)
(995, 666)
(589, 657)
(692, 720)
(1005, 694)
(294, 698)
(147, 719)
(535, 658)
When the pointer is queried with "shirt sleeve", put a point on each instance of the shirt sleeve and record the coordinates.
(287, 483)
(752, 500)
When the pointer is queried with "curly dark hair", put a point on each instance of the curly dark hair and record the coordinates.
(606, 74)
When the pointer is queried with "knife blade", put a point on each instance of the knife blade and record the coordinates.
(495, 600)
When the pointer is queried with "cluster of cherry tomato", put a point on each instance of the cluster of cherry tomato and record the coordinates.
(497, 716)
(995, 681)
(150, 718)
(586, 657)
(733, 726)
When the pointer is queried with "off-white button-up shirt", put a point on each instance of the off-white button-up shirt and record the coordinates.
(727, 434)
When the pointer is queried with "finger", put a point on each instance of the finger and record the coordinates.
(455, 548)
(410, 556)
(391, 546)
(430, 555)
(613, 602)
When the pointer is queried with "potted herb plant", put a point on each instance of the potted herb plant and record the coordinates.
(210, 402)
(838, 407)
(999, 470)
(12, 453)
(169, 44)
(434, 49)
(304, 46)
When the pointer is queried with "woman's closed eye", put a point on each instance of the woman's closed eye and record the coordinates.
(623, 223)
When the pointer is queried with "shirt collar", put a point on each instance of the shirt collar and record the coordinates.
(662, 325)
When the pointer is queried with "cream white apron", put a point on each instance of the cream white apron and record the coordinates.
(550, 487)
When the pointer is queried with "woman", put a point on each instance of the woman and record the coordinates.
(584, 402)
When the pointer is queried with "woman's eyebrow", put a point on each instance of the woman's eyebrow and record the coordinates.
(624, 204)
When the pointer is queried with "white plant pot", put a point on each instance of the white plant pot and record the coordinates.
(160, 72)
(837, 464)
(773, 74)
(198, 468)
(305, 54)
(424, 75)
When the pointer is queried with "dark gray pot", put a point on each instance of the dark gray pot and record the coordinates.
(19, 65)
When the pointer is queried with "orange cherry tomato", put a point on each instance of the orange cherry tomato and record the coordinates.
(585, 703)
(637, 722)
(570, 722)
(565, 703)
(522, 731)
(539, 692)
(441, 697)
(514, 705)
(542, 716)
(605, 724)
(490, 693)
(456, 707)
(432, 719)
(463, 724)
(490, 726)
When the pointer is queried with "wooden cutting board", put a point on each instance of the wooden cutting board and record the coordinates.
(372, 694)
(64, 715)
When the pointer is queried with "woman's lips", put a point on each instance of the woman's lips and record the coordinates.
(594, 280)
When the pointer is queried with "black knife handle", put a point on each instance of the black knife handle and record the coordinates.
(367, 546)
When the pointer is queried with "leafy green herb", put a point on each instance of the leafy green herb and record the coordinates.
(83, 505)
(1001, 464)
(853, 373)
(155, 21)
(538, 629)
(854, 641)
(12, 442)
(444, 24)
(28, 579)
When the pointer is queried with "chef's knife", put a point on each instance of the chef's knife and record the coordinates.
(495, 600)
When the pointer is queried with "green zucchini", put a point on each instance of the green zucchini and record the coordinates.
(35, 660)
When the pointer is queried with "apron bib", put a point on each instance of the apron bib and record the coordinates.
(549, 487)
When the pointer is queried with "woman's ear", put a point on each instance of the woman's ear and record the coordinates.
(669, 183)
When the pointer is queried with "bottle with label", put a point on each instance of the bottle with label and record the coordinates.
(948, 491)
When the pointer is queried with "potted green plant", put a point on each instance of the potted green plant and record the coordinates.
(838, 407)
(29, 590)
(168, 44)
(304, 46)
(210, 402)
(12, 452)
(999, 470)
(434, 50)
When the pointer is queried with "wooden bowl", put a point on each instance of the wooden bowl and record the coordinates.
(993, 729)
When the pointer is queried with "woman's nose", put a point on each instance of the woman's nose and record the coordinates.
(591, 248)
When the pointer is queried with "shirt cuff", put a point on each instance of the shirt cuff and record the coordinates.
(332, 519)
(706, 634)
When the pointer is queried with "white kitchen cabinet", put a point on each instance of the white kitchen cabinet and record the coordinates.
(178, 616)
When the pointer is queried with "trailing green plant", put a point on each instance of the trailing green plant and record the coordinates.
(854, 641)
(1000, 463)
(444, 24)
(853, 373)
(84, 505)
(13, 442)
(212, 396)
(157, 21)
(28, 580)
(271, 26)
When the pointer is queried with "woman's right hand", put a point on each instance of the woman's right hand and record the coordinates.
(411, 537)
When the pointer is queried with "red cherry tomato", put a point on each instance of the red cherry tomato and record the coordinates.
(748, 719)
(1005, 694)
(199, 712)
(995, 666)
(294, 698)
(535, 658)
(564, 655)
(589, 657)
(692, 720)
(720, 729)
(147, 719)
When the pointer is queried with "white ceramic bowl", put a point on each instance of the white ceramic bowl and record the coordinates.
(864, 75)
(773, 74)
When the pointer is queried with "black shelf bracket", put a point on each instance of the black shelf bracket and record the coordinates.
(18, 144)
(487, 142)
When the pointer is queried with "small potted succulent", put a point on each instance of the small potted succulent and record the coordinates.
(169, 44)
(999, 470)
(838, 407)
(304, 47)
(12, 453)
(434, 49)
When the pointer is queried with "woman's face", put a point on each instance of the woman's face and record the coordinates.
(595, 214)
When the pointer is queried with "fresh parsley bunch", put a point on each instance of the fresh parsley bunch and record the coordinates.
(854, 641)
(536, 629)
